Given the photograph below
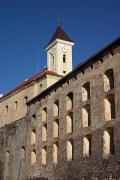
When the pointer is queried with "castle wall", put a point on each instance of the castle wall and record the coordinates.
(94, 164)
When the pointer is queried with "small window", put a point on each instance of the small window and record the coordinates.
(7, 156)
(7, 109)
(16, 105)
(64, 58)
(64, 72)
(7, 160)
(52, 61)
(40, 86)
(26, 99)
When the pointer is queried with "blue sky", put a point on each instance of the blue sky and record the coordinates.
(27, 25)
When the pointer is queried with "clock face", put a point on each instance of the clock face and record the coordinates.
(64, 49)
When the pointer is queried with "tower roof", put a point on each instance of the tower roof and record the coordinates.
(59, 34)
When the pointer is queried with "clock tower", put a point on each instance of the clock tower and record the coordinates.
(59, 52)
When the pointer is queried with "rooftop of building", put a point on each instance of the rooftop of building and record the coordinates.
(30, 80)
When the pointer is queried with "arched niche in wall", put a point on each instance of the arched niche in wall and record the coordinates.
(56, 108)
(108, 142)
(108, 80)
(69, 101)
(109, 107)
(86, 117)
(55, 153)
(33, 157)
(56, 128)
(44, 114)
(44, 155)
(87, 140)
(86, 92)
(70, 150)
(33, 136)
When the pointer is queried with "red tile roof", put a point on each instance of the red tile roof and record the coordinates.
(28, 81)
(59, 34)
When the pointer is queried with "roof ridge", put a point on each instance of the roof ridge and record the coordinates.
(22, 84)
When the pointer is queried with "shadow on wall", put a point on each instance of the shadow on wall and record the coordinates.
(38, 178)
(1, 170)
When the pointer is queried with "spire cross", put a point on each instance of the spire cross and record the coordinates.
(58, 18)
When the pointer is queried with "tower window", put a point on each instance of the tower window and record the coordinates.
(64, 72)
(64, 58)
(52, 61)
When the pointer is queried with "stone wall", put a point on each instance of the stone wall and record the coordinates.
(12, 147)
(13, 106)
(95, 164)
